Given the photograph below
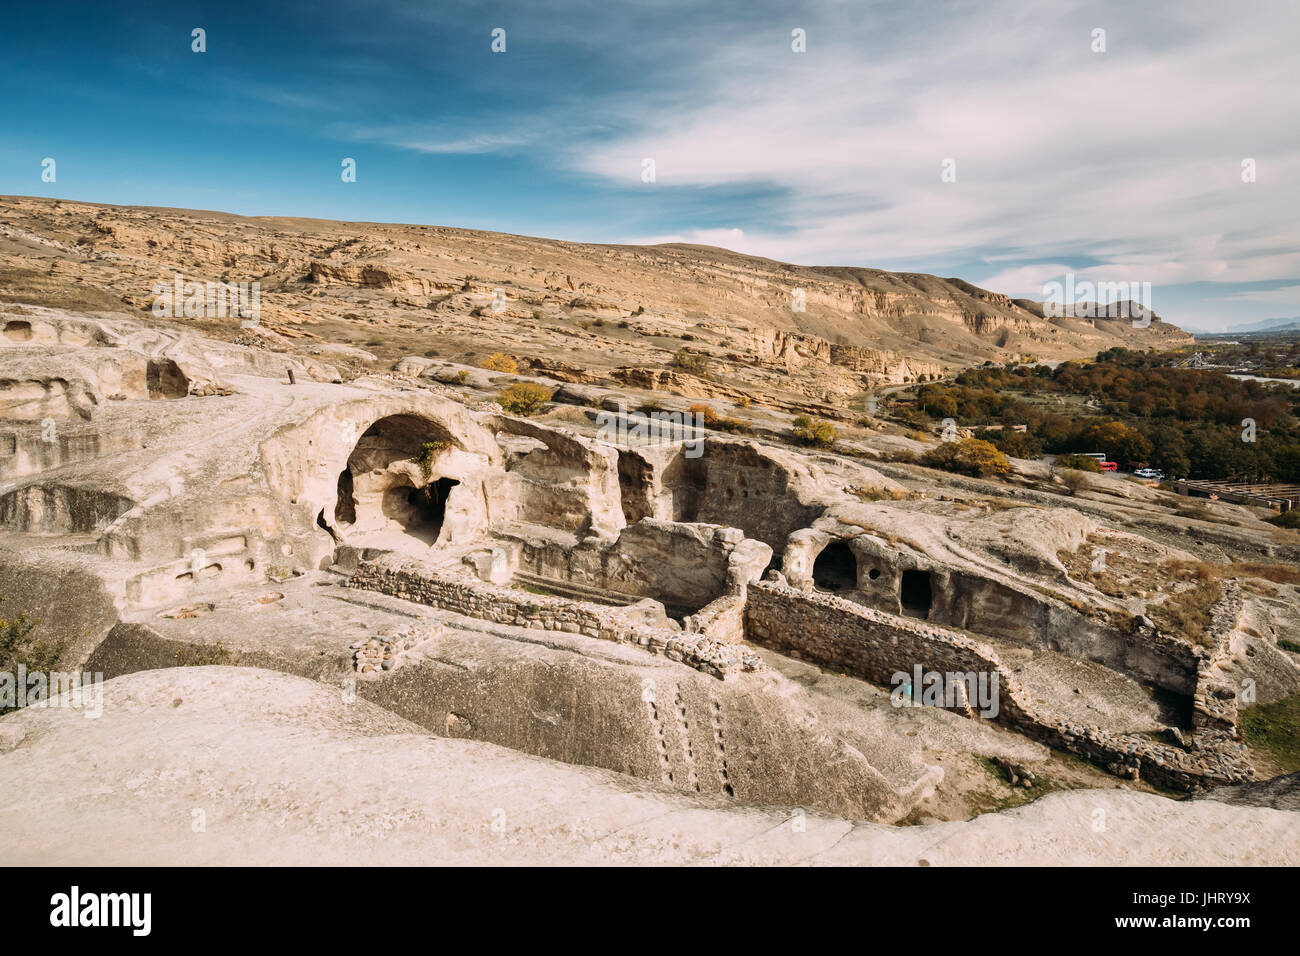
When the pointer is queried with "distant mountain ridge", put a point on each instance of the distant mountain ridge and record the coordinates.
(577, 309)
(1264, 325)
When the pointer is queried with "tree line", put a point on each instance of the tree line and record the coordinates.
(1132, 407)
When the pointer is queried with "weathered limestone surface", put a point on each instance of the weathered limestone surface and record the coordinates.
(644, 623)
(678, 564)
(281, 766)
(875, 646)
(518, 580)
(995, 574)
(563, 696)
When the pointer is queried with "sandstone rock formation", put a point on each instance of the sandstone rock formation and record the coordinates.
(600, 310)
(711, 619)
(221, 766)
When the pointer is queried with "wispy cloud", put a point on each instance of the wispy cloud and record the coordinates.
(1125, 164)
(1117, 166)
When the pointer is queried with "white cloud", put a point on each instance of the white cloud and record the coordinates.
(1285, 295)
(733, 239)
(1130, 158)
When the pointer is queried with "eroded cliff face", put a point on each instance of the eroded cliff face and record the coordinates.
(471, 293)
(520, 581)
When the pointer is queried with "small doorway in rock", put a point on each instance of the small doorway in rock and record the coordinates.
(774, 565)
(915, 593)
(836, 568)
(430, 508)
(345, 508)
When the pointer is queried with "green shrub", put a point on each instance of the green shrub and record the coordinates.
(722, 423)
(428, 452)
(1073, 479)
(1287, 519)
(1011, 442)
(500, 362)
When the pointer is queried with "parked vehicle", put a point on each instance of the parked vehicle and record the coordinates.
(1149, 473)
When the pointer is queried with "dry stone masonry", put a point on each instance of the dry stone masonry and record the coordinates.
(643, 624)
(384, 651)
(874, 645)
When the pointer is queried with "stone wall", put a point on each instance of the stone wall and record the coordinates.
(1214, 704)
(873, 646)
(644, 624)
(722, 620)
(1003, 608)
(385, 651)
(683, 566)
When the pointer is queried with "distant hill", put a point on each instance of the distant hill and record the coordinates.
(571, 309)
(1264, 326)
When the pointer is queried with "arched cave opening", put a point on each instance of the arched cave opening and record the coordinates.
(777, 562)
(392, 492)
(915, 593)
(836, 568)
(18, 331)
(418, 512)
(635, 477)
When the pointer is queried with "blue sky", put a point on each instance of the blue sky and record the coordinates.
(1122, 165)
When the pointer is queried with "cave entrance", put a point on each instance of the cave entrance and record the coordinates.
(836, 568)
(391, 493)
(345, 510)
(18, 331)
(418, 512)
(635, 478)
(915, 593)
(164, 379)
(430, 506)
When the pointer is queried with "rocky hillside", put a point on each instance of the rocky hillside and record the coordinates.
(574, 311)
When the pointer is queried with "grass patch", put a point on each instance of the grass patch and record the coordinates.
(1187, 613)
(18, 647)
(1002, 795)
(815, 432)
(203, 656)
(1274, 729)
(1202, 514)
(533, 589)
(57, 292)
